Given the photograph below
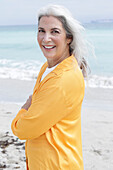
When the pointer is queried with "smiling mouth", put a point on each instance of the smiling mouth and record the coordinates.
(48, 47)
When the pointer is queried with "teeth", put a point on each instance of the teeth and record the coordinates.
(48, 47)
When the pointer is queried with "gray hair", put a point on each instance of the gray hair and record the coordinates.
(78, 46)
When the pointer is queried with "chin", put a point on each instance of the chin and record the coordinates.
(49, 56)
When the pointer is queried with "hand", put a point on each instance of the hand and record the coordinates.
(27, 104)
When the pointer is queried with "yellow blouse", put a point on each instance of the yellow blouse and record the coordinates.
(52, 124)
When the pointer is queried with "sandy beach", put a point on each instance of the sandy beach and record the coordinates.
(97, 126)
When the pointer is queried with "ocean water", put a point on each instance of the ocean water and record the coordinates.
(21, 57)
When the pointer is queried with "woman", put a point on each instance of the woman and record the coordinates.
(50, 120)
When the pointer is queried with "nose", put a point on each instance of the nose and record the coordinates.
(47, 37)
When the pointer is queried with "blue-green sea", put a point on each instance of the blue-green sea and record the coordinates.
(21, 58)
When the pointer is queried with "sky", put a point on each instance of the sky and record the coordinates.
(24, 12)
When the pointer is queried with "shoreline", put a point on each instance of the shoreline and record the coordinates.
(14, 90)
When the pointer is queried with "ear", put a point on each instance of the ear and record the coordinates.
(69, 40)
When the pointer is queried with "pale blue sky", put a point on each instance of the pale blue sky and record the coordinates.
(19, 12)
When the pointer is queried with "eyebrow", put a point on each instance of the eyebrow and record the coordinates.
(56, 29)
(40, 28)
(51, 28)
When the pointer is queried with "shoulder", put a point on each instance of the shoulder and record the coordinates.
(71, 85)
(68, 71)
(72, 80)
(68, 78)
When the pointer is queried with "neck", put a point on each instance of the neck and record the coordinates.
(52, 62)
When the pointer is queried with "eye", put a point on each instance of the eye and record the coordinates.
(40, 30)
(55, 31)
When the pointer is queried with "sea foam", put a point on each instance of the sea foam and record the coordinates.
(28, 70)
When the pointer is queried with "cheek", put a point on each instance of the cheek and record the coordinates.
(62, 40)
(57, 41)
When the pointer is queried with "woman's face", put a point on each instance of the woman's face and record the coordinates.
(52, 40)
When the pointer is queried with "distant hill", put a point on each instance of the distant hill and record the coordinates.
(102, 21)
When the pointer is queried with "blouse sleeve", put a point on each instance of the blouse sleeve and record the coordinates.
(49, 106)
